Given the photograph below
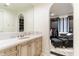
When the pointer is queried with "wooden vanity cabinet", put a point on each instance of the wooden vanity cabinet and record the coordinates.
(38, 46)
(31, 48)
(2, 53)
(12, 51)
(25, 49)
(28, 48)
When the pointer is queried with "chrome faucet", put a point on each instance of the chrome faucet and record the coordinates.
(22, 35)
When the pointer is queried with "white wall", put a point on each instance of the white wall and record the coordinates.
(28, 20)
(76, 29)
(41, 24)
(8, 21)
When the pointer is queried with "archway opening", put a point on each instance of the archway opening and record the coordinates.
(61, 29)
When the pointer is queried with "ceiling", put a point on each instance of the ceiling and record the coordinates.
(16, 6)
(59, 9)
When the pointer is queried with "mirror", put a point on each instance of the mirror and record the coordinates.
(13, 14)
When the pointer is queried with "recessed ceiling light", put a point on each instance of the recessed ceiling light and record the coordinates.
(7, 4)
(52, 14)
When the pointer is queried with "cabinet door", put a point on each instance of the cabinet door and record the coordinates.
(38, 46)
(32, 48)
(11, 51)
(29, 49)
(23, 50)
(26, 49)
(2, 53)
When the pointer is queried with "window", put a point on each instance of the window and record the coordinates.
(65, 24)
(21, 23)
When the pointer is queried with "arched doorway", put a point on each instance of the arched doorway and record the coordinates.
(61, 29)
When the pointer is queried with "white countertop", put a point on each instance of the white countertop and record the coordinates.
(7, 43)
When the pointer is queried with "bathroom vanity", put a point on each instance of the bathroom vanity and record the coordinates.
(28, 46)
